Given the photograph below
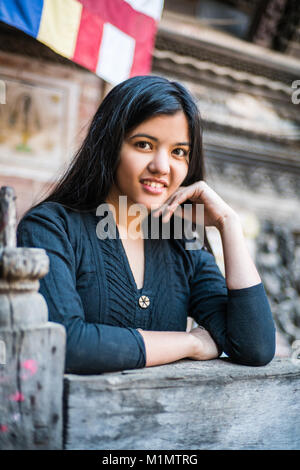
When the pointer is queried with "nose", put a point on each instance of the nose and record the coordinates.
(160, 162)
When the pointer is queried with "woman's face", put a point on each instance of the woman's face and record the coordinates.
(157, 149)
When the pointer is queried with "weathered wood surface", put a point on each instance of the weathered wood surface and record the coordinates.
(185, 405)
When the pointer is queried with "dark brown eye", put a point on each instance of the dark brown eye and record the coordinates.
(184, 153)
(143, 144)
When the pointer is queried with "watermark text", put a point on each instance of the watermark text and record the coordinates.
(296, 93)
(2, 352)
(2, 92)
(188, 223)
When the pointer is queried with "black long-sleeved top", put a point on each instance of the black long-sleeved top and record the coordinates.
(91, 290)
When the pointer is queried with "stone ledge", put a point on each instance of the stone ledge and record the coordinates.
(185, 405)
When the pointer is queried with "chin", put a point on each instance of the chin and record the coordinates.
(152, 204)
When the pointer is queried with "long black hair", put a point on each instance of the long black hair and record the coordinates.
(88, 179)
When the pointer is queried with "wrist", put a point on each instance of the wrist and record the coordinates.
(228, 222)
(195, 345)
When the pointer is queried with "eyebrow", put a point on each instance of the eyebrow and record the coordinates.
(155, 139)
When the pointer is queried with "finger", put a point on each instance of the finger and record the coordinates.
(181, 196)
(169, 212)
(171, 207)
(185, 212)
(166, 216)
(157, 212)
(170, 202)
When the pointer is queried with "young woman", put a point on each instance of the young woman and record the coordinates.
(123, 300)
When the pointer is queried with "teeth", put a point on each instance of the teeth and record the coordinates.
(153, 185)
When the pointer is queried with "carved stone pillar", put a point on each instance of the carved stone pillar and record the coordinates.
(32, 349)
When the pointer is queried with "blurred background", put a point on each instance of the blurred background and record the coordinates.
(241, 60)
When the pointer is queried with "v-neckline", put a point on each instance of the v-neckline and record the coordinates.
(126, 264)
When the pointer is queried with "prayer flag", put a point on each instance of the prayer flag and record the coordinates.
(113, 38)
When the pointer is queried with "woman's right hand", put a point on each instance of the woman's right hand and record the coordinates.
(204, 346)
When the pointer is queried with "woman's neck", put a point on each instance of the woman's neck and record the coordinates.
(126, 223)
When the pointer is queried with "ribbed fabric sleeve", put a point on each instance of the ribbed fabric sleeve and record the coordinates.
(239, 320)
(91, 348)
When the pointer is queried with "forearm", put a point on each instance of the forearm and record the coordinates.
(240, 270)
(163, 347)
(250, 328)
(94, 348)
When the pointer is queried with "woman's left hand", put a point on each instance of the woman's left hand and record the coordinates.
(216, 211)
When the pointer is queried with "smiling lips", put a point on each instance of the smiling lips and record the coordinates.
(153, 187)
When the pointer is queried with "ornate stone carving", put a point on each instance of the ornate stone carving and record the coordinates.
(34, 348)
(17, 264)
(24, 263)
(259, 178)
(278, 261)
(8, 217)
